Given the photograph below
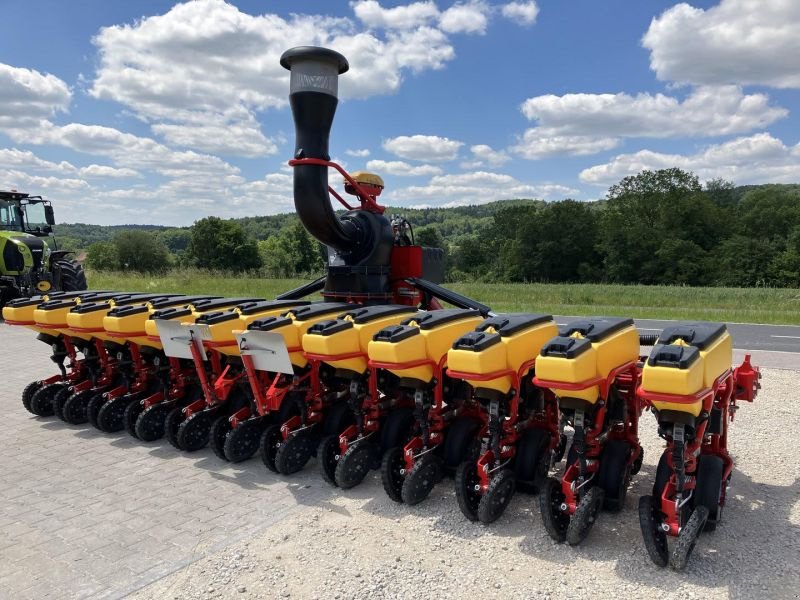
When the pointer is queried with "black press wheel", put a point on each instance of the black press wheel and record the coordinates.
(392, 473)
(637, 462)
(708, 490)
(111, 417)
(614, 474)
(172, 425)
(427, 471)
(585, 516)
(149, 425)
(467, 489)
(28, 392)
(74, 410)
(131, 417)
(328, 457)
(60, 400)
(42, 400)
(556, 521)
(93, 408)
(216, 438)
(532, 460)
(294, 453)
(682, 548)
(655, 540)
(497, 497)
(194, 432)
(356, 463)
(458, 441)
(242, 442)
(271, 441)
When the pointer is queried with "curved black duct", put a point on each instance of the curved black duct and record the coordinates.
(359, 237)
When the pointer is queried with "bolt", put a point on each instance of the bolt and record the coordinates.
(563, 506)
(477, 488)
(665, 527)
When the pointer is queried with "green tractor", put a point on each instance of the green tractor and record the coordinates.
(30, 261)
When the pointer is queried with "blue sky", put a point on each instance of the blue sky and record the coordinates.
(163, 112)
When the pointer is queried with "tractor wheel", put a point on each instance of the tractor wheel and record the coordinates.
(150, 421)
(556, 521)
(655, 540)
(242, 443)
(271, 441)
(468, 497)
(328, 457)
(392, 473)
(682, 549)
(131, 416)
(497, 497)
(420, 480)
(614, 474)
(172, 425)
(60, 400)
(532, 460)
(74, 410)
(71, 275)
(194, 432)
(93, 408)
(28, 392)
(585, 516)
(709, 488)
(216, 437)
(42, 400)
(294, 453)
(356, 463)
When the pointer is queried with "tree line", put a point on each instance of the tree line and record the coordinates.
(657, 227)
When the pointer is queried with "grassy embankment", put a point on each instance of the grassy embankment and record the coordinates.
(750, 305)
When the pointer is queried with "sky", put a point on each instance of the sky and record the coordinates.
(159, 112)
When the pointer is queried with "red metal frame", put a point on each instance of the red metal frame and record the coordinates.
(626, 378)
(740, 383)
(367, 200)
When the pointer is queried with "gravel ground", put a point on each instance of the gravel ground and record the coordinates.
(359, 544)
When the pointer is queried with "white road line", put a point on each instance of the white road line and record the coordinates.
(791, 337)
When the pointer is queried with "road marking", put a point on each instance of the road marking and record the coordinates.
(791, 337)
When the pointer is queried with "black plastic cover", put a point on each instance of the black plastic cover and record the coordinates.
(330, 327)
(396, 333)
(254, 307)
(700, 334)
(56, 304)
(218, 316)
(566, 347)
(365, 314)
(317, 309)
(476, 341)
(511, 323)
(218, 303)
(127, 311)
(179, 300)
(87, 307)
(596, 329)
(269, 323)
(436, 318)
(174, 312)
(677, 357)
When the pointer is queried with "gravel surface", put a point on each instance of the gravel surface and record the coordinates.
(359, 544)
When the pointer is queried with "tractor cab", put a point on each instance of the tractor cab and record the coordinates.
(23, 212)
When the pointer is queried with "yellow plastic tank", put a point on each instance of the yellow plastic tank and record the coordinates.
(51, 316)
(426, 336)
(351, 333)
(588, 349)
(86, 319)
(294, 323)
(501, 343)
(20, 311)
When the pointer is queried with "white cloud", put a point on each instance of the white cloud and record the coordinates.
(106, 171)
(362, 153)
(483, 154)
(424, 148)
(476, 188)
(237, 138)
(465, 17)
(402, 169)
(524, 13)
(409, 16)
(759, 158)
(12, 158)
(28, 96)
(581, 124)
(736, 41)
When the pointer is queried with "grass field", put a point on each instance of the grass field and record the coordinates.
(748, 305)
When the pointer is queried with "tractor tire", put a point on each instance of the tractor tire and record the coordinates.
(28, 392)
(70, 275)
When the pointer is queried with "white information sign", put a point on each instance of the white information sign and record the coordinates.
(267, 349)
(177, 338)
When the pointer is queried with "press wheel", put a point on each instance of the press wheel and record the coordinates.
(427, 471)
(242, 441)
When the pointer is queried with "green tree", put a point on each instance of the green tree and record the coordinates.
(141, 251)
(102, 256)
(177, 240)
(276, 258)
(223, 245)
(430, 237)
